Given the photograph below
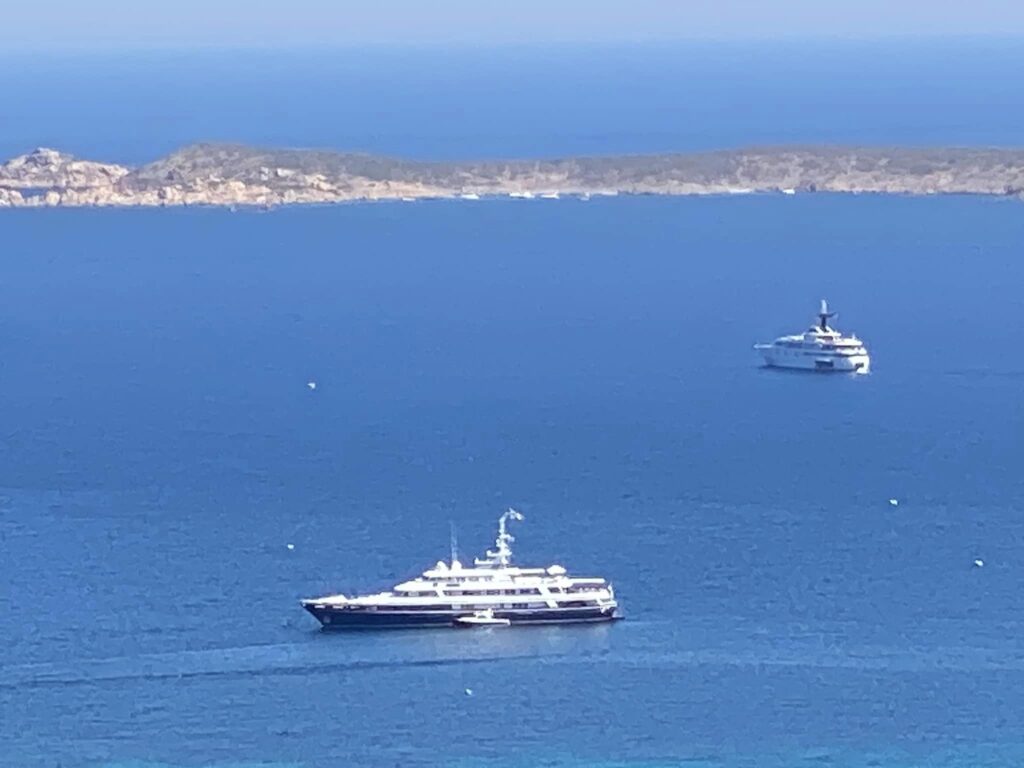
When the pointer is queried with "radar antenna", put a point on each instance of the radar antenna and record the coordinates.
(502, 553)
(824, 315)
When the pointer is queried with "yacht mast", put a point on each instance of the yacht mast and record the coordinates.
(824, 315)
(501, 555)
(454, 543)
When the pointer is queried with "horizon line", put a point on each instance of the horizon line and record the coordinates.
(465, 45)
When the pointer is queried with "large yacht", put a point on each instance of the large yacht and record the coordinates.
(492, 592)
(819, 348)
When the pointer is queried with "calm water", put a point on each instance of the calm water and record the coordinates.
(589, 363)
(524, 102)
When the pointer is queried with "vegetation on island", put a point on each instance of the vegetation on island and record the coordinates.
(235, 175)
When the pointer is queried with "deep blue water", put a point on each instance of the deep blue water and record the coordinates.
(589, 363)
(519, 101)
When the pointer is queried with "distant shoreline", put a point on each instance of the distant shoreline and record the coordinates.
(228, 176)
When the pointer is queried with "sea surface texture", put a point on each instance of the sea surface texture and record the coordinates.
(590, 363)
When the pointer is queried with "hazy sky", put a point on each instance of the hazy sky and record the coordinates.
(104, 24)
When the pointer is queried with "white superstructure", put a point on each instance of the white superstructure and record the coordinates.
(492, 588)
(819, 348)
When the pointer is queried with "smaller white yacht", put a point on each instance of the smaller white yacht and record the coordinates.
(819, 348)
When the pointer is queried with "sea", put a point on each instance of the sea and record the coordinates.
(817, 571)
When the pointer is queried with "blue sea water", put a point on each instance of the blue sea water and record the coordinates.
(518, 101)
(589, 363)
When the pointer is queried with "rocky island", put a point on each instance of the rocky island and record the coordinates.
(231, 175)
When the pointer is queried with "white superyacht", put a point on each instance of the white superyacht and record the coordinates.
(819, 348)
(492, 592)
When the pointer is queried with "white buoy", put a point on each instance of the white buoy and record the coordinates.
(291, 546)
(311, 384)
(894, 502)
(469, 691)
(979, 563)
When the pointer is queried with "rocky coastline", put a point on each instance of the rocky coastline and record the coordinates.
(237, 176)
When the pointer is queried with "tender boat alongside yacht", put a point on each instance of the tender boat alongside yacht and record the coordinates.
(819, 348)
(482, 619)
(492, 592)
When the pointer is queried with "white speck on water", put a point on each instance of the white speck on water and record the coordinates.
(469, 691)
(311, 384)
(894, 502)
(291, 546)
(979, 563)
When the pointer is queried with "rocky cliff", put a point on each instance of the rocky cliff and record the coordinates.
(229, 175)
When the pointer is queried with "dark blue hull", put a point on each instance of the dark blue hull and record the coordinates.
(341, 618)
